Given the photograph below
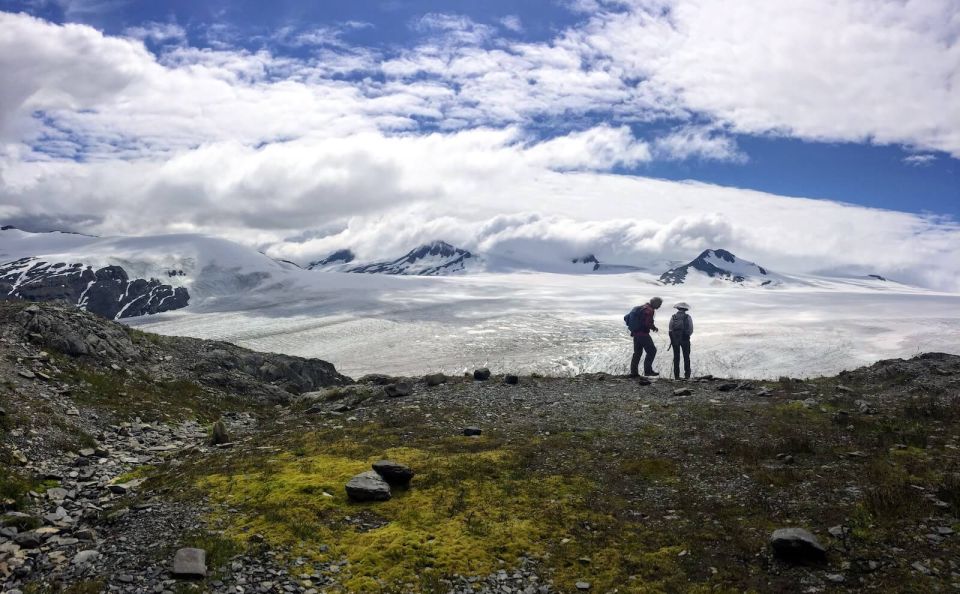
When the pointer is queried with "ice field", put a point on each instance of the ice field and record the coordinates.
(561, 324)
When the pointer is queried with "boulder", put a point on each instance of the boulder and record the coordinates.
(220, 435)
(190, 563)
(513, 380)
(797, 546)
(368, 486)
(28, 540)
(395, 473)
(398, 389)
(435, 379)
(482, 374)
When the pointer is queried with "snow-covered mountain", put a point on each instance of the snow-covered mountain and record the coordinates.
(338, 261)
(713, 266)
(123, 277)
(590, 263)
(433, 259)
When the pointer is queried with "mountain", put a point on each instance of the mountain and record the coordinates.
(338, 261)
(107, 291)
(592, 264)
(124, 277)
(720, 266)
(433, 259)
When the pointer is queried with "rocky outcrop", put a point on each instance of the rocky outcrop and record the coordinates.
(262, 376)
(720, 265)
(107, 291)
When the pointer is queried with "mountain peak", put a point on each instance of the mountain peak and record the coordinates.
(719, 264)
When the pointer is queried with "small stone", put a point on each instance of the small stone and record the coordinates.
(57, 494)
(512, 380)
(26, 374)
(397, 390)
(472, 431)
(482, 374)
(727, 387)
(944, 531)
(836, 578)
(190, 563)
(395, 473)
(643, 381)
(920, 568)
(88, 452)
(582, 586)
(84, 557)
(368, 486)
(797, 545)
(838, 531)
(682, 392)
(844, 389)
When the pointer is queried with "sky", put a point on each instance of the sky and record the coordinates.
(816, 136)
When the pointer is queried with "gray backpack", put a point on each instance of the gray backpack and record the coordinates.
(678, 325)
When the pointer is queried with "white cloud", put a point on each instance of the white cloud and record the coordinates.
(512, 23)
(158, 32)
(698, 142)
(920, 160)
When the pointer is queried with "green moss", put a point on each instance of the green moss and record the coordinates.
(15, 486)
(468, 510)
(651, 469)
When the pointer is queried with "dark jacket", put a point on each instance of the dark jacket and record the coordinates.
(646, 320)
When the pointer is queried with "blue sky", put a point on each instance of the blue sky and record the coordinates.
(303, 126)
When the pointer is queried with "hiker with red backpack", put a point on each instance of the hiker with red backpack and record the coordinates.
(640, 322)
(680, 330)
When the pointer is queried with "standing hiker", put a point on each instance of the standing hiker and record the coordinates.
(680, 329)
(640, 323)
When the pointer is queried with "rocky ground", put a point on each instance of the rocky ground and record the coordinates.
(595, 483)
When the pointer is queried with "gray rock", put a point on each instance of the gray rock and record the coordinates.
(368, 486)
(57, 494)
(511, 380)
(84, 557)
(28, 540)
(583, 585)
(482, 374)
(471, 431)
(797, 545)
(435, 379)
(398, 389)
(377, 379)
(727, 387)
(395, 473)
(219, 435)
(683, 392)
(190, 563)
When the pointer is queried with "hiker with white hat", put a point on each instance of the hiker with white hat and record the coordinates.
(680, 329)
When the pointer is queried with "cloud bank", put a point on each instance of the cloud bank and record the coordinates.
(379, 149)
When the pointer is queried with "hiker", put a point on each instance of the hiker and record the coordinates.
(680, 329)
(640, 323)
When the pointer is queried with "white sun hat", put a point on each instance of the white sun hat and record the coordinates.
(682, 305)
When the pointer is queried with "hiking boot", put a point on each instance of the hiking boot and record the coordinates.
(651, 373)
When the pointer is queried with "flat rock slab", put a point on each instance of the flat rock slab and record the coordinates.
(797, 545)
(190, 563)
(368, 486)
(393, 472)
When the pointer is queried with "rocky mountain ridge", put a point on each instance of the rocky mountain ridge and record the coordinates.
(107, 291)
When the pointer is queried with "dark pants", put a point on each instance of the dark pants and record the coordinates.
(642, 343)
(681, 344)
